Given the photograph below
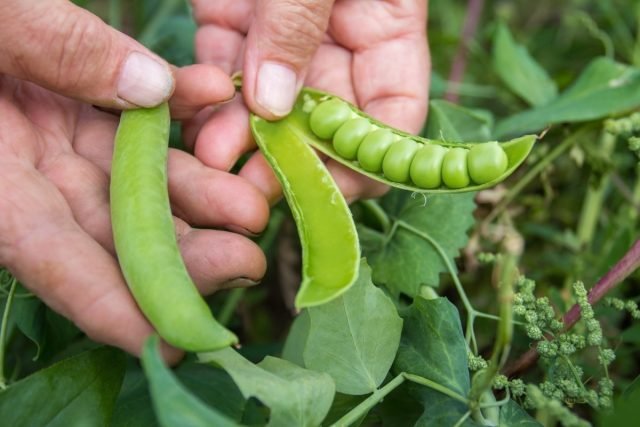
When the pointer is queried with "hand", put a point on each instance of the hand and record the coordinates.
(373, 53)
(55, 156)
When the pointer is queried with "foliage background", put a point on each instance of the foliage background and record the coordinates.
(573, 209)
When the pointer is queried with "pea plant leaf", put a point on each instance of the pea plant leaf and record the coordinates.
(354, 338)
(134, 407)
(293, 350)
(174, 404)
(604, 88)
(519, 71)
(512, 415)
(77, 391)
(402, 258)
(295, 396)
(441, 410)
(50, 332)
(433, 347)
(453, 123)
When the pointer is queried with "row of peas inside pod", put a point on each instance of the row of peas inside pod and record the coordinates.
(401, 158)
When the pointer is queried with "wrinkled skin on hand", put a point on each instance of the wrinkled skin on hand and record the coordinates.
(55, 231)
(373, 53)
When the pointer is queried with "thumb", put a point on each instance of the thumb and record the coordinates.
(66, 49)
(280, 44)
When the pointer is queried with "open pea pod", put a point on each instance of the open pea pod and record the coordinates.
(330, 246)
(351, 137)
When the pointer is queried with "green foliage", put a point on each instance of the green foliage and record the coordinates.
(519, 71)
(171, 400)
(355, 337)
(408, 345)
(401, 257)
(77, 391)
(295, 396)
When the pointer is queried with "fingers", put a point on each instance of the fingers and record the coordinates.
(48, 252)
(67, 49)
(221, 260)
(208, 197)
(224, 137)
(391, 58)
(198, 86)
(280, 44)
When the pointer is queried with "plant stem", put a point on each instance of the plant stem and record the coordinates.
(149, 33)
(536, 170)
(595, 197)
(623, 268)
(471, 312)
(115, 14)
(365, 406)
(474, 11)
(230, 304)
(436, 386)
(265, 242)
(379, 213)
(3, 330)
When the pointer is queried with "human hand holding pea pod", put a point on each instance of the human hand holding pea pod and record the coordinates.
(374, 54)
(55, 164)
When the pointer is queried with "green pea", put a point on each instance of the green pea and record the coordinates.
(349, 136)
(328, 116)
(398, 158)
(486, 162)
(426, 168)
(330, 246)
(373, 148)
(454, 168)
(145, 240)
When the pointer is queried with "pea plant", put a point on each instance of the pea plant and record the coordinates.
(495, 284)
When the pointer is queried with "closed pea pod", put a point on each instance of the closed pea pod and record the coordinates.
(486, 162)
(349, 136)
(397, 160)
(373, 148)
(328, 116)
(454, 168)
(426, 167)
(144, 235)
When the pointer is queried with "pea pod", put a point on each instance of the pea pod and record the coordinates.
(330, 247)
(144, 236)
(313, 121)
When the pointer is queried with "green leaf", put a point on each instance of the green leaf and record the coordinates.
(519, 71)
(402, 260)
(399, 408)
(441, 410)
(296, 396)
(432, 344)
(50, 332)
(78, 391)
(512, 415)
(433, 347)
(29, 315)
(293, 350)
(452, 123)
(604, 88)
(355, 337)
(212, 386)
(174, 404)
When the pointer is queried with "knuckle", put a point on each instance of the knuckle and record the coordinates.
(297, 29)
(81, 48)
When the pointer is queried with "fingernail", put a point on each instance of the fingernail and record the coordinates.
(144, 81)
(276, 88)
(240, 282)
